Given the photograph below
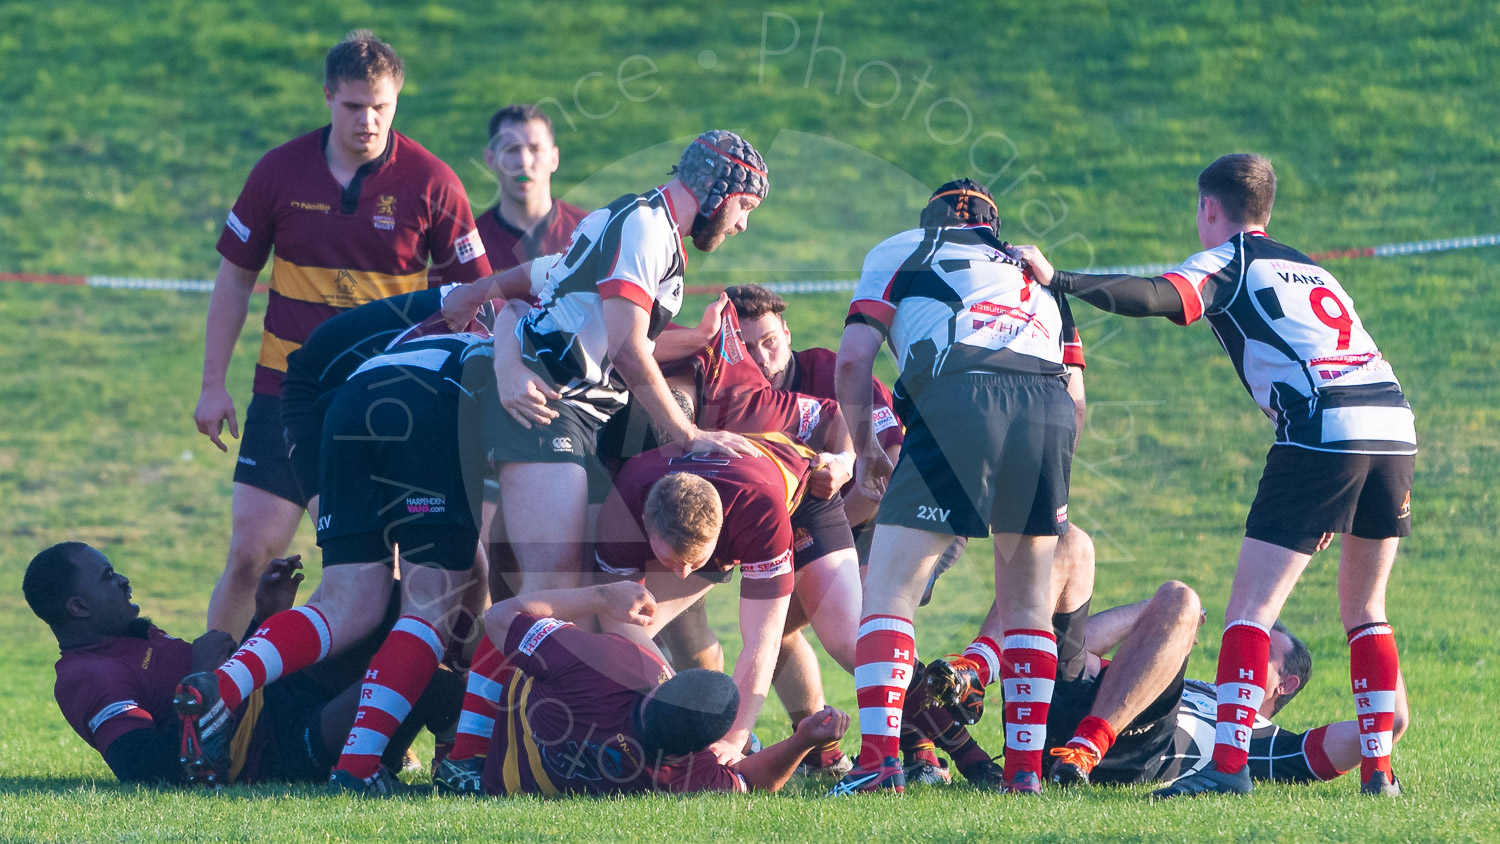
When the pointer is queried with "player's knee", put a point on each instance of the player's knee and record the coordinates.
(1180, 599)
(1398, 724)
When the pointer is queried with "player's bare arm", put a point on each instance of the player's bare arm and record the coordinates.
(226, 318)
(630, 352)
(626, 601)
(465, 300)
(836, 465)
(761, 622)
(522, 393)
(770, 769)
(856, 393)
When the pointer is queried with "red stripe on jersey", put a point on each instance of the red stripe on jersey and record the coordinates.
(627, 290)
(1192, 301)
(882, 312)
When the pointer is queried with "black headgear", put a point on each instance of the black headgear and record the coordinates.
(719, 164)
(963, 202)
(688, 712)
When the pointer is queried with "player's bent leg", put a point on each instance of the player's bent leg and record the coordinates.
(1147, 663)
(544, 506)
(263, 526)
(432, 591)
(690, 642)
(828, 592)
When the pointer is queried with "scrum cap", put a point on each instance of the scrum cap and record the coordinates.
(719, 164)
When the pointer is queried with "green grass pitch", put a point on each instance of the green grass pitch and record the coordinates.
(126, 131)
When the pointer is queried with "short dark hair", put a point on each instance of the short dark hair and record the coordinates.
(1244, 184)
(49, 581)
(361, 57)
(1297, 662)
(688, 712)
(961, 202)
(518, 113)
(751, 301)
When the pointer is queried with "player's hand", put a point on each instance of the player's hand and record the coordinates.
(825, 726)
(727, 752)
(524, 396)
(713, 318)
(628, 602)
(277, 590)
(829, 477)
(1323, 542)
(211, 650)
(872, 473)
(215, 407)
(463, 302)
(1036, 262)
(721, 442)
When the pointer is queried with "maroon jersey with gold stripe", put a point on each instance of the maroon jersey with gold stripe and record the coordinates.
(121, 684)
(507, 246)
(402, 224)
(568, 719)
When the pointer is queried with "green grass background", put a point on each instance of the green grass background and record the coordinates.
(126, 132)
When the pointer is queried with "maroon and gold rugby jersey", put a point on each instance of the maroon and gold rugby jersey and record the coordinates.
(811, 371)
(507, 246)
(568, 719)
(403, 224)
(121, 684)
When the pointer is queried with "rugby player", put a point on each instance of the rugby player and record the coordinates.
(567, 367)
(989, 443)
(118, 673)
(400, 480)
(591, 713)
(1342, 461)
(354, 212)
(526, 222)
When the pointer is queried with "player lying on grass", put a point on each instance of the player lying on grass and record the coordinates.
(401, 478)
(1135, 718)
(598, 713)
(982, 353)
(1342, 461)
(118, 673)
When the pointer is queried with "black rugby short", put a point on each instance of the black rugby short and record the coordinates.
(1304, 494)
(819, 528)
(985, 452)
(572, 437)
(400, 467)
(262, 461)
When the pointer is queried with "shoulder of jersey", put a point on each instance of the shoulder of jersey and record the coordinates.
(411, 154)
(294, 150)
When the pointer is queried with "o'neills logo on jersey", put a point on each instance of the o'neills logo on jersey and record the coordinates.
(734, 352)
(429, 504)
(312, 206)
(539, 633)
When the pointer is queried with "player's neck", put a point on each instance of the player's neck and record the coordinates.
(684, 205)
(343, 165)
(76, 637)
(525, 214)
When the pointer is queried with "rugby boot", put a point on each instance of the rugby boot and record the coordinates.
(922, 772)
(383, 783)
(953, 683)
(458, 778)
(1378, 786)
(1025, 782)
(986, 774)
(1072, 766)
(1210, 780)
(207, 727)
(833, 765)
(860, 781)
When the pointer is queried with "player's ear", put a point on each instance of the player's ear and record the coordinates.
(78, 607)
(1289, 685)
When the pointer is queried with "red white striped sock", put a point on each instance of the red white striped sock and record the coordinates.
(1028, 671)
(883, 657)
(985, 656)
(1373, 668)
(288, 642)
(488, 676)
(397, 675)
(1094, 734)
(1243, 659)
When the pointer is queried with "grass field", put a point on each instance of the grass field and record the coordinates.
(126, 136)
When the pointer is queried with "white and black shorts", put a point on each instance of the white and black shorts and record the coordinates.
(983, 452)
